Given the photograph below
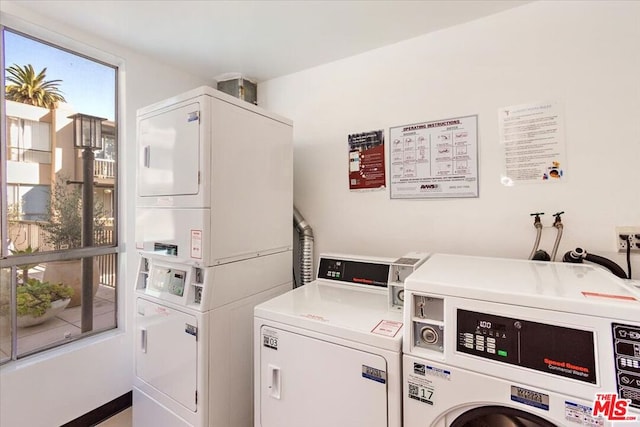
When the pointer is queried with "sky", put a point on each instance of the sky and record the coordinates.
(88, 86)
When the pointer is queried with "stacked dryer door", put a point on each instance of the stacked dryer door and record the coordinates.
(510, 343)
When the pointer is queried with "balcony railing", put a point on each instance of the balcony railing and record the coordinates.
(104, 168)
(29, 233)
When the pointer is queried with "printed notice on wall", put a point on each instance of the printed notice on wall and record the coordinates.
(366, 161)
(435, 159)
(532, 136)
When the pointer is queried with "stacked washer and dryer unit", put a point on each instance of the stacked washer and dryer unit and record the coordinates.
(510, 343)
(213, 229)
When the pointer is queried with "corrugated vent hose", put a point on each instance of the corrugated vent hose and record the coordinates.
(306, 247)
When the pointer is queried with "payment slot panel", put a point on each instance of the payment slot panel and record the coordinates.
(400, 270)
(427, 314)
(179, 283)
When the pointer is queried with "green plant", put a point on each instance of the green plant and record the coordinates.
(35, 297)
(27, 87)
(26, 267)
(63, 229)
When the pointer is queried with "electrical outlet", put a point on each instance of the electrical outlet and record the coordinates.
(634, 238)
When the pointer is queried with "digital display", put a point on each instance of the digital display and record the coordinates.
(488, 324)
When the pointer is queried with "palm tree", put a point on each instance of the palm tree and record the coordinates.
(27, 87)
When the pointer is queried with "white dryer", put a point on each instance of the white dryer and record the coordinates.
(329, 353)
(513, 343)
(213, 229)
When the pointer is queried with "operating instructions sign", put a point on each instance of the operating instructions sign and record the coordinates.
(437, 159)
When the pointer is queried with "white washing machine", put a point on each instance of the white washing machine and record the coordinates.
(513, 343)
(329, 353)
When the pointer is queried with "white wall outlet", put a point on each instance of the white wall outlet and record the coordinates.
(633, 241)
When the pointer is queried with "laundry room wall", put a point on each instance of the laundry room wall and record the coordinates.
(583, 55)
(55, 387)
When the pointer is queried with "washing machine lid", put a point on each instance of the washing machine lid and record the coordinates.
(357, 314)
(574, 288)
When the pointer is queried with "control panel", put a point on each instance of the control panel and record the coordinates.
(178, 283)
(626, 347)
(557, 350)
(375, 273)
(368, 273)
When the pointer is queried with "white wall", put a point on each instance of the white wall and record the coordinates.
(60, 385)
(583, 54)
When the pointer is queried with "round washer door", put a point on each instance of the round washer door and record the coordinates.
(499, 416)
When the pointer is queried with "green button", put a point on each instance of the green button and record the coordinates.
(502, 353)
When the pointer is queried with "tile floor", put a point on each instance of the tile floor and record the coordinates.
(64, 326)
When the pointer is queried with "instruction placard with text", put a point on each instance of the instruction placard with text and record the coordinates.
(435, 159)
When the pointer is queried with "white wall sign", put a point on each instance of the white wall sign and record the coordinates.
(435, 159)
(532, 136)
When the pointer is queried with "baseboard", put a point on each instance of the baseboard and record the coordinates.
(105, 411)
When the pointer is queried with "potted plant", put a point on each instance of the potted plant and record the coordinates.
(25, 268)
(39, 301)
(63, 230)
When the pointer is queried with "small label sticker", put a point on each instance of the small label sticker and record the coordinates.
(387, 328)
(530, 397)
(193, 116)
(419, 386)
(377, 375)
(191, 329)
(437, 372)
(270, 339)
(421, 393)
(581, 414)
(196, 244)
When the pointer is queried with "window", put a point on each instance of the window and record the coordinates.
(29, 140)
(58, 232)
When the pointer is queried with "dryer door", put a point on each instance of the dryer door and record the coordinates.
(308, 382)
(166, 351)
(169, 143)
(499, 416)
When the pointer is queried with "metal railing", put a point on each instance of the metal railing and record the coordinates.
(107, 269)
(29, 233)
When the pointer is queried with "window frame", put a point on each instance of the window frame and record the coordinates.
(9, 261)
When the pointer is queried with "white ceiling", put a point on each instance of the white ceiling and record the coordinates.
(260, 39)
